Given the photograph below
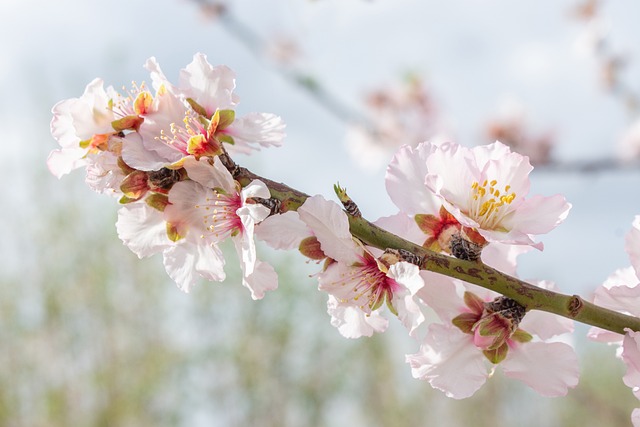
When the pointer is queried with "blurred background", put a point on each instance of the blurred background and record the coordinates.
(92, 336)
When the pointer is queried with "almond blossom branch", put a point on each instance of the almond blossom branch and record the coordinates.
(164, 155)
(475, 272)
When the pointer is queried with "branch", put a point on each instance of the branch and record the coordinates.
(530, 296)
(256, 45)
(317, 91)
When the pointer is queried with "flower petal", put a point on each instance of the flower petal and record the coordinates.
(186, 263)
(142, 229)
(403, 226)
(263, 278)
(620, 292)
(632, 244)
(256, 188)
(284, 231)
(61, 162)
(331, 226)
(538, 214)
(631, 358)
(441, 294)
(211, 87)
(503, 257)
(549, 368)
(635, 417)
(256, 130)
(405, 180)
(353, 322)
(449, 361)
(137, 156)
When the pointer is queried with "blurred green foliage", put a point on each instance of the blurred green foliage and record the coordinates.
(92, 336)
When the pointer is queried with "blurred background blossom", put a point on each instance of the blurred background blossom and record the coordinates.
(93, 336)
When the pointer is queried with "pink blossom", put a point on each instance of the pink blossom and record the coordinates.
(485, 189)
(81, 126)
(171, 132)
(228, 211)
(197, 215)
(85, 127)
(358, 279)
(352, 322)
(158, 153)
(405, 182)
(212, 88)
(284, 231)
(196, 117)
(209, 86)
(104, 174)
(186, 255)
(480, 332)
(405, 185)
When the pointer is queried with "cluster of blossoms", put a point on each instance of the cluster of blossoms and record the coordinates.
(159, 153)
(165, 154)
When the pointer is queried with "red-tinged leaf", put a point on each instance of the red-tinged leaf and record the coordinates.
(474, 302)
(310, 247)
(429, 224)
(135, 185)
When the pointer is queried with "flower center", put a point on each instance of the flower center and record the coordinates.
(494, 325)
(186, 134)
(371, 286)
(221, 218)
(136, 100)
(488, 205)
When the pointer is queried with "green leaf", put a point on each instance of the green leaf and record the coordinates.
(498, 355)
(521, 335)
(226, 118)
(128, 122)
(465, 322)
(124, 200)
(197, 107)
(223, 137)
(157, 201)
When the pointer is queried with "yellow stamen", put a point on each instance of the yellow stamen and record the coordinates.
(486, 207)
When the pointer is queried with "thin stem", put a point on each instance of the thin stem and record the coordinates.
(530, 296)
(255, 43)
(318, 92)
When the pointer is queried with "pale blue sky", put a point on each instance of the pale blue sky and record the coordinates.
(474, 54)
